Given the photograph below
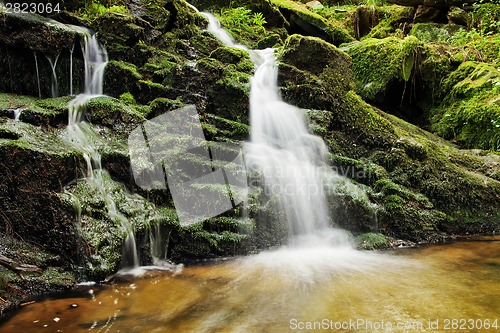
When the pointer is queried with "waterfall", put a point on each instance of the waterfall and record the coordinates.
(71, 69)
(84, 138)
(53, 66)
(37, 75)
(291, 162)
(17, 113)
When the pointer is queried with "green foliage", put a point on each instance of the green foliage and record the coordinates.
(378, 62)
(258, 19)
(127, 98)
(244, 24)
(470, 112)
(94, 10)
(372, 241)
(486, 18)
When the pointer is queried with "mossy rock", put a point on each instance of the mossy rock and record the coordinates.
(107, 214)
(162, 105)
(36, 33)
(435, 32)
(307, 22)
(376, 63)
(120, 77)
(119, 29)
(222, 129)
(35, 164)
(238, 57)
(39, 112)
(372, 241)
(227, 89)
(314, 55)
(470, 113)
(392, 21)
(114, 114)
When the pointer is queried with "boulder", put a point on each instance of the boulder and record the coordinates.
(36, 33)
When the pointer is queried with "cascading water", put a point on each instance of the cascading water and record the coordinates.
(53, 66)
(71, 69)
(291, 162)
(37, 75)
(83, 137)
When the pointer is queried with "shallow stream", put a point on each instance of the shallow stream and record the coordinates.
(453, 287)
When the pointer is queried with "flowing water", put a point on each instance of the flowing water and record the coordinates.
(317, 282)
(37, 75)
(85, 139)
(410, 290)
(290, 162)
(53, 66)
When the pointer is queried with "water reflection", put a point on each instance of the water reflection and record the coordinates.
(284, 292)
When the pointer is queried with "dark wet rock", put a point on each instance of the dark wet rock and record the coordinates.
(458, 16)
(429, 14)
(366, 19)
(35, 33)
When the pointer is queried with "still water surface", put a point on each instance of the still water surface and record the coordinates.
(293, 290)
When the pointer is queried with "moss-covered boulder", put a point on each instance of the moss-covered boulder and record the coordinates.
(35, 33)
(380, 62)
(435, 32)
(470, 112)
(306, 22)
(35, 165)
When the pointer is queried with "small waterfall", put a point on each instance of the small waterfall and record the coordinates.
(53, 66)
(291, 162)
(159, 245)
(17, 113)
(71, 69)
(37, 75)
(84, 138)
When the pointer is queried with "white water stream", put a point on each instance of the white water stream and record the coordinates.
(84, 138)
(290, 160)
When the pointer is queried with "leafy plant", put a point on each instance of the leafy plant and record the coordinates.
(258, 19)
(244, 24)
(94, 10)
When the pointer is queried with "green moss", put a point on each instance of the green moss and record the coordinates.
(127, 98)
(112, 113)
(29, 137)
(391, 21)
(161, 66)
(161, 105)
(376, 63)
(120, 77)
(313, 23)
(300, 10)
(103, 228)
(435, 32)
(372, 241)
(10, 101)
(238, 57)
(486, 18)
(94, 10)
(223, 129)
(470, 112)
(245, 26)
